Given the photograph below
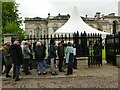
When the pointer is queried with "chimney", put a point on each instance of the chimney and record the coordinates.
(112, 14)
(48, 15)
(97, 15)
(68, 16)
(86, 16)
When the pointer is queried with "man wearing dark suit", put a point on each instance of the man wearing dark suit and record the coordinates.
(17, 57)
(61, 56)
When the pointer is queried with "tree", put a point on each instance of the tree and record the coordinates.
(13, 28)
(10, 19)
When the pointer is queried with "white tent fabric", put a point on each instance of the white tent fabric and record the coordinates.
(75, 23)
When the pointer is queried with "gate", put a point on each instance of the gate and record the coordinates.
(112, 48)
(89, 46)
(86, 45)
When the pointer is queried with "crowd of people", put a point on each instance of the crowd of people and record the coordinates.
(19, 55)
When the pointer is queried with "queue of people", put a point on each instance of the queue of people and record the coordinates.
(21, 54)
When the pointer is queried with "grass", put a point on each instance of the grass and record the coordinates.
(103, 54)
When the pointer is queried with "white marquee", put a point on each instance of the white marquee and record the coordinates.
(75, 23)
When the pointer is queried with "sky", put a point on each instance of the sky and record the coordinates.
(41, 8)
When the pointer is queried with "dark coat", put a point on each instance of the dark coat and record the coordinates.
(39, 53)
(34, 46)
(44, 51)
(16, 54)
(7, 57)
(60, 51)
(3, 61)
(52, 51)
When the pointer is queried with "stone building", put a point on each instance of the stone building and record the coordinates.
(35, 27)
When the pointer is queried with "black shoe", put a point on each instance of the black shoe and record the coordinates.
(13, 77)
(29, 73)
(31, 68)
(53, 73)
(75, 68)
(56, 73)
(8, 76)
(61, 71)
(44, 73)
(68, 74)
(39, 73)
(17, 79)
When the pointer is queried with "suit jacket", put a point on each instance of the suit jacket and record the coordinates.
(16, 54)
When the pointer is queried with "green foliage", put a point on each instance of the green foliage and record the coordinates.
(10, 19)
(12, 28)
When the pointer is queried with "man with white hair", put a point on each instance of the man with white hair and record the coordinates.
(17, 57)
(39, 55)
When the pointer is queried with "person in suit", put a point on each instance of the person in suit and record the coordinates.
(17, 57)
(60, 52)
(52, 56)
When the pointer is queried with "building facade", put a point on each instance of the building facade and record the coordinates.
(35, 27)
(119, 8)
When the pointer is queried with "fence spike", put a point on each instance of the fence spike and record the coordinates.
(96, 34)
(88, 35)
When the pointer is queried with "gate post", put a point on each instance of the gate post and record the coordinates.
(114, 53)
(70, 64)
(118, 60)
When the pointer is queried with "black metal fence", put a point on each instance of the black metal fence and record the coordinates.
(112, 48)
(87, 45)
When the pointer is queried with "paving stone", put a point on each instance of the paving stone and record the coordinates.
(105, 76)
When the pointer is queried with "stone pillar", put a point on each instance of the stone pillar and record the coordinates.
(97, 15)
(9, 38)
(118, 60)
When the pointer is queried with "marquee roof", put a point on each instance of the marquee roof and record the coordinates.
(75, 23)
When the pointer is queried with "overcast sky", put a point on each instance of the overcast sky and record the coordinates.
(41, 8)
